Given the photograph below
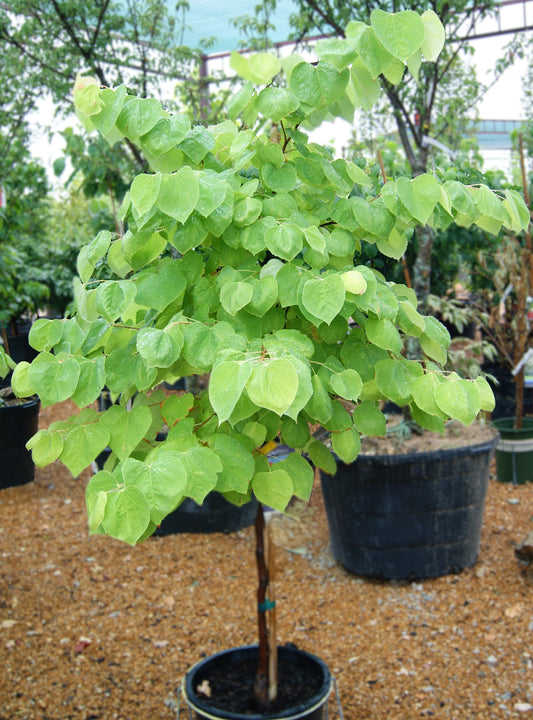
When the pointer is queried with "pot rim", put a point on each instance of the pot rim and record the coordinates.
(506, 425)
(292, 713)
(428, 455)
(26, 403)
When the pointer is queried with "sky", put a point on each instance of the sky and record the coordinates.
(214, 19)
(504, 100)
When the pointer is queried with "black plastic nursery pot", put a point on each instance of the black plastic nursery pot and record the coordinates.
(514, 451)
(304, 685)
(18, 423)
(408, 516)
(214, 515)
(19, 350)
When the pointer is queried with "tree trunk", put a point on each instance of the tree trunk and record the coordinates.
(422, 267)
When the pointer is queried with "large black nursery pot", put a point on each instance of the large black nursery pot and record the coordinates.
(514, 451)
(304, 685)
(214, 515)
(408, 516)
(18, 423)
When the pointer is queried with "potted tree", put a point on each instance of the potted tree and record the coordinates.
(21, 217)
(20, 298)
(23, 212)
(262, 290)
(504, 311)
(18, 417)
(19, 421)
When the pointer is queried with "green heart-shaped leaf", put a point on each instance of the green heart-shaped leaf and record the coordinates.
(276, 103)
(284, 240)
(273, 385)
(226, 384)
(419, 195)
(53, 379)
(235, 295)
(162, 481)
(324, 297)
(127, 428)
(126, 515)
(238, 465)
(459, 399)
(179, 194)
(274, 489)
(82, 445)
(400, 33)
(144, 191)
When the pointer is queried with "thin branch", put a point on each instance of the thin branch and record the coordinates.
(403, 122)
(24, 50)
(99, 25)
(328, 19)
(87, 55)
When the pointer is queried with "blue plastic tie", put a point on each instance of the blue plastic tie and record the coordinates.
(267, 605)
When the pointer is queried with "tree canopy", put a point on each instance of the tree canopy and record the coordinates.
(432, 102)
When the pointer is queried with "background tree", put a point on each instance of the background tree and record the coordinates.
(71, 219)
(255, 29)
(434, 101)
(23, 217)
(46, 43)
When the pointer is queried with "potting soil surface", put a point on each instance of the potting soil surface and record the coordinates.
(91, 628)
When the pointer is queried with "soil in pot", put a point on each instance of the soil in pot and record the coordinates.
(222, 685)
(405, 438)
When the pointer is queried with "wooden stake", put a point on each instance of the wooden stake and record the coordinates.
(272, 630)
(261, 678)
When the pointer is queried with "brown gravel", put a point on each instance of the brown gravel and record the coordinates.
(94, 629)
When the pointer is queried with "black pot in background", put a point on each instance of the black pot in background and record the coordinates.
(180, 384)
(216, 514)
(503, 387)
(514, 451)
(19, 350)
(408, 516)
(294, 666)
(104, 402)
(18, 423)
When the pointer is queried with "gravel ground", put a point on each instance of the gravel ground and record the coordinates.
(94, 629)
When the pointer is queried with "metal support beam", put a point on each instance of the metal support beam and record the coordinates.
(510, 17)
